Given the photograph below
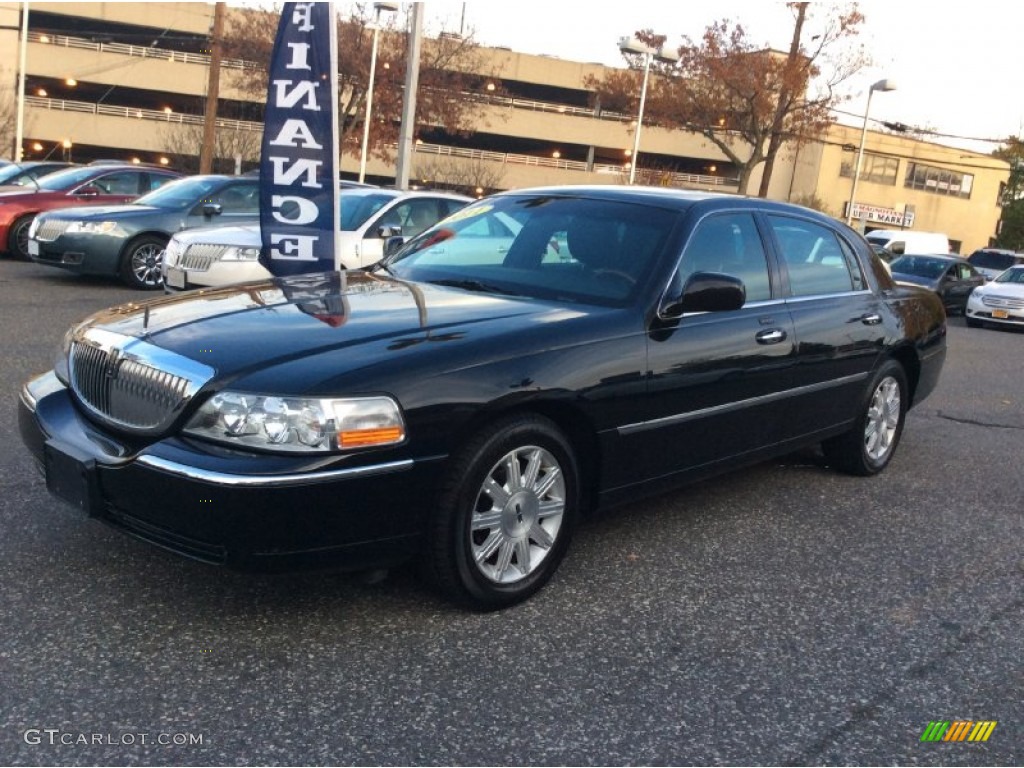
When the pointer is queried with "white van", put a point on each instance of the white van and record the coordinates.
(898, 242)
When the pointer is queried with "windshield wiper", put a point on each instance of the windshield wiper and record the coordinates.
(473, 285)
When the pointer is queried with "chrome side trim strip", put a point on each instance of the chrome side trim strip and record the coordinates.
(262, 481)
(680, 418)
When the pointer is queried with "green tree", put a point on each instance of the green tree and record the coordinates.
(1011, 224)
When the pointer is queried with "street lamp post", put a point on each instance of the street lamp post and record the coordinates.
(881, 85)
(632, 45)
(378, 8)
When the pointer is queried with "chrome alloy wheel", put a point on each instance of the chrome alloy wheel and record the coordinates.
(518, 514)
(883, 419)
(146, 263)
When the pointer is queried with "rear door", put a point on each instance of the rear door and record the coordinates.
(839, 322)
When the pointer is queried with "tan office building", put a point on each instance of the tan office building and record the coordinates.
(128, 80)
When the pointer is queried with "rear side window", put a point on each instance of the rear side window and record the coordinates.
(818, 261)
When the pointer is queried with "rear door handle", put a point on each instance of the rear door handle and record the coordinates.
(871, 319)
(770, 336)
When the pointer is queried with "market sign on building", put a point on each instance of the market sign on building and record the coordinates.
(875, 214)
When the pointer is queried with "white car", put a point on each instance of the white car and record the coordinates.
(998, 302)
(215, 256)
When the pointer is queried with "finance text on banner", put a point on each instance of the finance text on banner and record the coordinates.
(299, 158)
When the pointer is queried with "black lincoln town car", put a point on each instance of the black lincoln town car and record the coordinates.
(537, 355)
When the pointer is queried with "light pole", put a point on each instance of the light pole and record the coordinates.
(881, 85)
(378, 8)
(632, 45)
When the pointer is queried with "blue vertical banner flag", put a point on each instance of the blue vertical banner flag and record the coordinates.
(299, 207)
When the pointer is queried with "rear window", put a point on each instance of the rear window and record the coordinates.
(992, 260)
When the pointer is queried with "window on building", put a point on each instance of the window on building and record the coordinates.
(939, 180)
(877, 168)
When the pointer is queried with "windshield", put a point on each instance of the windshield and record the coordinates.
(1012, 276)
(989, 260)
(69, 178)
(592, 251)
(18, 176)
(181, 193)
(356, 208)
(921, 266)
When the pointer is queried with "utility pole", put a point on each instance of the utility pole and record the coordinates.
(19, 129)
(406, 137)
(212, 92)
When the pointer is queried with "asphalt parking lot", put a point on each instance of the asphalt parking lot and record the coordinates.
(781, 615)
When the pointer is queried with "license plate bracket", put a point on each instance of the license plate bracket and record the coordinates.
(33, 248)
(72, 478)
(175, 277)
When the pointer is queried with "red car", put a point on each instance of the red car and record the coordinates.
(83, 185)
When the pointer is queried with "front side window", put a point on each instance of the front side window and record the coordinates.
(728, 244)
(818, 261)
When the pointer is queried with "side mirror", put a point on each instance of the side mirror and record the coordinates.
(709, 292)
(89, 190)
(212, 209)
(393, 243)
(387, 231)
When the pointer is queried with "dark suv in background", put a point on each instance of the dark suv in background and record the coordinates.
(991, 261)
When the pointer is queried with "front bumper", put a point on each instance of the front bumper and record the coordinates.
(1004, 312)
(84, 254)
(219, 274)
(242, 510)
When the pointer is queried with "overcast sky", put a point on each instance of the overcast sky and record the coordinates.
(958, 66)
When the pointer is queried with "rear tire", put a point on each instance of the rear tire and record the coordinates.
(869, 445)
(141, 263)
(505, 514)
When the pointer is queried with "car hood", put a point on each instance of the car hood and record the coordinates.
(254, 329)
(927, 282)
(104, 212)
(247, 236)
(242, 235)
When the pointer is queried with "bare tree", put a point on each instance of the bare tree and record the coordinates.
(451, 65)
(8, 114)
(184, 142)
(746, 99)
(467, 176)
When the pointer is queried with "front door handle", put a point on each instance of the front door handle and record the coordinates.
(871, 318)
(771, 336)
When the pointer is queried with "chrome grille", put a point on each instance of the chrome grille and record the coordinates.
(51, 229)
(1004, 302)
(131, 383)
(201, 256)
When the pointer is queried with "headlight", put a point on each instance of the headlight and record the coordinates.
(266, 422)
(60, 365)
(172, 253)
(92, 227)
(240, 254)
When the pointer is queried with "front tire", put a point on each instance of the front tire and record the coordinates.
(141, 263)
(505, 514)
(868, 447)
(17, 238)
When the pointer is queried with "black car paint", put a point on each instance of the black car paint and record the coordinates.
(614, 379)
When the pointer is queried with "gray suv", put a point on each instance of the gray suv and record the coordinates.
(992, 261)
